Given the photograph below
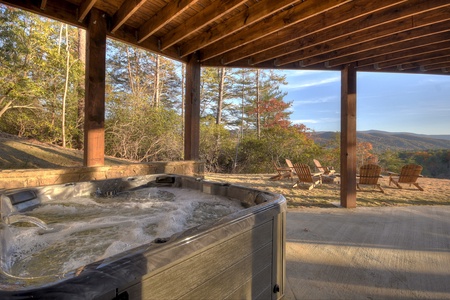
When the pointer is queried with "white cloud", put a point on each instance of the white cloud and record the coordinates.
(314, 100)
(311, 83)
(310, 121)
(316, 121)
(296, 73)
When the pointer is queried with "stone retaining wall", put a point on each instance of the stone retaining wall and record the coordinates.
(39, 177)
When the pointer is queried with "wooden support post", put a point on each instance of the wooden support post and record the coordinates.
(348, 137)
(94, 111)
(192, 109)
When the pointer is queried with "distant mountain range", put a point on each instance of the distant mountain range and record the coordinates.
(382, 140)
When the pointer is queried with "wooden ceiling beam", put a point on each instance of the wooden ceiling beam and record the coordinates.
(210, 14)
(440, 66)
(292, 39)
(126, 10)
(434, 56)
(85, 8)
(302, 11)
(169, 12)
(43, 4)
(127, 34)
(347, 36)
(433, 61)
(245, 18)
(416, 70)
(410, 55)
(419, 36)
(55, 9)
(417, 64)
(387, 49)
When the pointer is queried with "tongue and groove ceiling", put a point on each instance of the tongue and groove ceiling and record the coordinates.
(409, 36)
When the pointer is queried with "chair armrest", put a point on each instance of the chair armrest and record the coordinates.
(286, 169)
(392, 173)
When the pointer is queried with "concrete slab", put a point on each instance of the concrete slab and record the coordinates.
(368, 253)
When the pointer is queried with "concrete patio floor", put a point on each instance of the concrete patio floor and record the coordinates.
(368, 253)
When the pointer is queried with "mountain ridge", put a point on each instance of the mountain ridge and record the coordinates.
(395, 141)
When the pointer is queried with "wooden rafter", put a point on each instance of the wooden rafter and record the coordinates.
(371, 49)
(285, 34)
(380, 24)
(420, 62)
(242, 20)
(128, 8)
(408, 54)
(210, 14)
(291, 39)
(85, 7)
(409, 37)
(425, 67)
(439, 66)
(289, 17)
(168, 13)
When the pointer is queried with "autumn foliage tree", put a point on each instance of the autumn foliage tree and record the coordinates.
(273, 112)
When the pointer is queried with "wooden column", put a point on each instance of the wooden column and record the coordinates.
(94, 109)
(348, 137)
(192, 109)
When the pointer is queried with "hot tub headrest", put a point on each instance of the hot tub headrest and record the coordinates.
(22, 196)
(23, 200)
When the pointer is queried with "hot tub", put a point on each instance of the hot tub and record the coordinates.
(237, 254)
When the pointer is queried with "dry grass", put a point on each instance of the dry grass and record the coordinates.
(19, 153)
(437, 191)
(22, 153)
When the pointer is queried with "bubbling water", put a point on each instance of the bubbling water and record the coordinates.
(88, 229)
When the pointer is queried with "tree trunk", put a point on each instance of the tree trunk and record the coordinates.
(66, 87)
(156, 91)
(220, 98)
(5, 108)
(183, 96)
(130, 72)
(81, 89)
(242, 108)
(258, 117)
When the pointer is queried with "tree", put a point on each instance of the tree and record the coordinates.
(143, 97)
(216, 94)
(265, 106)
(33, 74)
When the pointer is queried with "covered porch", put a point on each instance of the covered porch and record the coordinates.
(348, 36)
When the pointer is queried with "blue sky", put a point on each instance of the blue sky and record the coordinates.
(385, 101)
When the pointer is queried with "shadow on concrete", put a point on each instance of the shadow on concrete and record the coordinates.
(371, 253)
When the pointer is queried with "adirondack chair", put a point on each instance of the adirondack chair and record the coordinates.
(305, 176)
(290, 165)
(324, 170)
(369, 175)
(282, 172)
(408, 174)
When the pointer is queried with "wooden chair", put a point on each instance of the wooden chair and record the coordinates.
(305, 176)
(282, 172)
(324, 170)
(290, 165)
(408, 174)
(369, 175)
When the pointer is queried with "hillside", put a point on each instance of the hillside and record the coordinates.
(22, 153)
(19, 153)
(382, 140)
